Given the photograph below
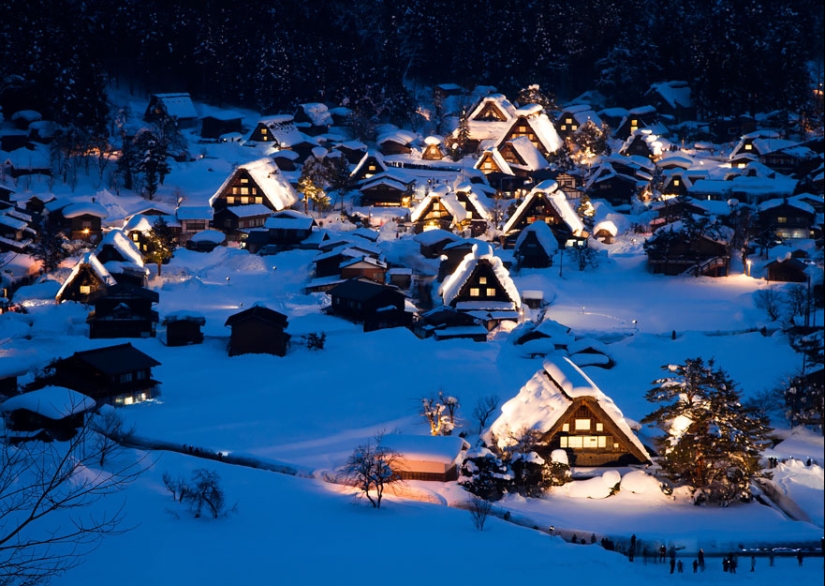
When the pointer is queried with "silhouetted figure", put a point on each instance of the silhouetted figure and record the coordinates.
(799, 557)
(695, 565)
(680, 567)
(725, 564)
(575, 539)
(733, 564)
(662, 553)
(701, 559)
(753, 563)
(672, 564)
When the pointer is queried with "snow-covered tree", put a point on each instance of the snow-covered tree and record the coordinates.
(440, 413)
(50, 245)
(485, 475)
(151, 154)
(713, 442)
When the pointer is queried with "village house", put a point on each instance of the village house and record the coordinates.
(433, 149)
(124, 311)
(483, 288)
(84, 220)
(259, 182)
(787, 269)
(178, 106)
(313, 118)
(535, 247)
(118, 375)
(638, 118)
(183, 328)
(193, 219)
(16, 233)
(47, 414)
(88, 280)
(672, 100)
(572, 414)
(447, 323)
(439, 209)
(545, 203)
(533, 123)
(238, 220)
(372, 163)
(573, 117)
(258, 330)
(703, 254)
(396, 142)
(219, 123)
(387, 189)
(793, 218)
(423, 457)
(378, 306)
(281, 231)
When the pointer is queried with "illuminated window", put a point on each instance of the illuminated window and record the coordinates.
(563, 127)
(482, 280)
(676, 182)
(563, 442)
(574, 128)
(371, 168)
(244, 200)
(264, 131)
(475, 292)
(569, 121)
(491, 292)
(230, 200)
(85, 289)
(259, 200)
(748, 147)
(128, 400)
(565, 427)
(599, 427)
(135, 236)
(244, 180)
(574, 441)
(781, 220)
(615, 445)
(582, 424)
(244, 191)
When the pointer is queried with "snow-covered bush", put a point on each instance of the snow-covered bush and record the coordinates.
(485, 475)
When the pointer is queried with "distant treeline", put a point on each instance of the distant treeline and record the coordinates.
(738, 55)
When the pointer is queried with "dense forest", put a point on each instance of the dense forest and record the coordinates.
(738, 55)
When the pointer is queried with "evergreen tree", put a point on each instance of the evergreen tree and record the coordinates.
(586, 211)
(531, 474)
(161, 243)
(533, 94)
(591, 140)
(714, 442)
(151, 156)
(49, 246)
(485, 475)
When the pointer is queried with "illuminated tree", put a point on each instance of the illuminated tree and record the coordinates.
(713, 442)
(161, 243)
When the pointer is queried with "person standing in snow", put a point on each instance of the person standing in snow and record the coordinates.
(799, 557)
(753, 563)
(662, 553)
(680, 567)
(702, 559)
(695, 565)
(672, 564)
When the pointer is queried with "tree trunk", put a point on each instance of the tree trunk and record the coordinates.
(160, 262)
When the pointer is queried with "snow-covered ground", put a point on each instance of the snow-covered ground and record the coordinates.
(310, 409)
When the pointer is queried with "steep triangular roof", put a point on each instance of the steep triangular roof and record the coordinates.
(538, 124)
(91, 262)
(274, 186)
(549, 190)
(547, 398)
(118, 240)
(452, 285)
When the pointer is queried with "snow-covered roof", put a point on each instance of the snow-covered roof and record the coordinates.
(83, 208)
(7, 219)
(51, 402)
(448, 200)
(501, 103)
(301, 222)
(138, 222)
(178, 105)
(443, 449)
(400, 136)
(543, 234)
(606, 226)
(547, 396)
(532, 157)
(493, 152)
(272, 183)
(430, 237)
(581, 113)
(214, 236)
(542, 127)
(791, 201)
(452, 285)
(675, 93)
(317, 113)
(195, 212)
(556, 198)
(249, 210)
(124, 245)
(89, 260)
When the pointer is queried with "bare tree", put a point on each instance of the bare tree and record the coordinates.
(770, 300)
(47, 490)
(370, 468)
(797, 297)
(485, 407)
(479, 509)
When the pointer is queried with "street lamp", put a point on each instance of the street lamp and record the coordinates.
(748, 263)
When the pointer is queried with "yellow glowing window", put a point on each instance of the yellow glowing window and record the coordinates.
(244, 191)
(475, 292)
(574, 127)
(259, 200)
(748, 147)
(565, 427)
(85, 289)
(563, 127)
(582, 424)
(600, 427)
(676, 182)
(244, 180)
(482, 280)
(230, 200)
(569, 121)
(491, 292)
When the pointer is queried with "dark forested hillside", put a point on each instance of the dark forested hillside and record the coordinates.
(738, 55)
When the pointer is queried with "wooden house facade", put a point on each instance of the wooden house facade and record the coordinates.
(531, 122)
(385, 191)
(793, 219)
(55, 412)
(258, 182)
(84, 220)
(183, 328)
(701, 256)
(219, 123)
(258, 330)
(377, 306)
(118, 375)
(572, 414)
(372, 163)
(791, 270)
(178, 106)
(535, 247)
(124, 311)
